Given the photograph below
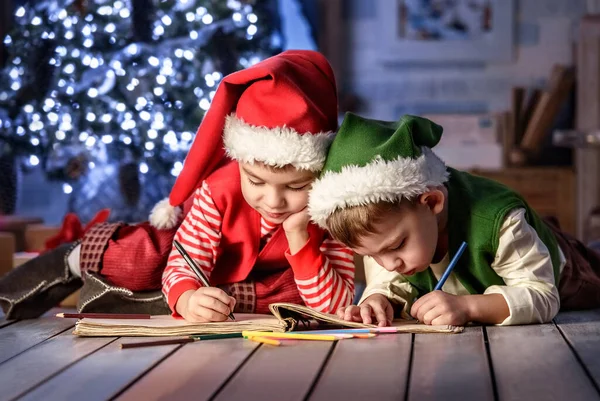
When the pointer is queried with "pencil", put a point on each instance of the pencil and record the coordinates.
(264, 340)
(104, 315)
(216, 336)
(351, 331)
(295, 336)
(181, 340)
(450, 267)
(203, 279)
(156, 343)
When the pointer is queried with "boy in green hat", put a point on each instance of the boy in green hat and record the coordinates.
(384, 193)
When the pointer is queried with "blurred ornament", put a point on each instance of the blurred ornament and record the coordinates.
(76, 167)
(67, 163)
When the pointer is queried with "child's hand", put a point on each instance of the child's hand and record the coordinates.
(206, 304)
(439, 307)
(376, 305)
(296, 230)
(297, 222)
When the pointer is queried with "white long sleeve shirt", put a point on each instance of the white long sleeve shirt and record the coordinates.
(522, 261)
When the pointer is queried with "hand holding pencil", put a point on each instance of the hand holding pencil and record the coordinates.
(439, 307)
(207, 304)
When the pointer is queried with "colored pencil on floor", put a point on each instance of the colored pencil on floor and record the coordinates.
(104, 315)
(182, 340)
(216, 336)
(156, 343)
(294, 336)
(264, 340)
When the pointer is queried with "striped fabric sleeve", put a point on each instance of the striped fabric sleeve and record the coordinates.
(200, 235)
(324, 274)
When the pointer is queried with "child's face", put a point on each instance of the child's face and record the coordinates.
(406, 237)
(275, 194)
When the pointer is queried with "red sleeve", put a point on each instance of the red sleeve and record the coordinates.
(324, 274)
(200, 235)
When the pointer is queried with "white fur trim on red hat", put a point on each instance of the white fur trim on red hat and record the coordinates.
(278, 146)
(164, 215)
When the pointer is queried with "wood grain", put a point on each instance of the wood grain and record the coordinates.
(41, 362)
(195, 371)
(451, 367)
(102, 375)
(582, 331)
(345, 378)
(25, 334)
(284, 373)
(4, 322)
(535, 363)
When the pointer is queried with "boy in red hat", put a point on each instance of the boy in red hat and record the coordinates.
(243, 191)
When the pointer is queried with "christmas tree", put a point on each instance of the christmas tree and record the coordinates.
(110, 92)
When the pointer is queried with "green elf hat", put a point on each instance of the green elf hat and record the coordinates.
(372, 161)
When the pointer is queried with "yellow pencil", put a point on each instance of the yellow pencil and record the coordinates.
(295, 336)
(263, 340)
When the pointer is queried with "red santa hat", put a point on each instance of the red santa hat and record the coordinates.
(281, 111)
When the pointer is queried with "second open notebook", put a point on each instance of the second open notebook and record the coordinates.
(286, 317)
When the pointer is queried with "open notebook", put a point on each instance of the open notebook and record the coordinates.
(286, 317)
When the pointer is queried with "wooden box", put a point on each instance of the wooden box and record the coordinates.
(17, 225)
(550, 191)
(36, 236)
(7, 250)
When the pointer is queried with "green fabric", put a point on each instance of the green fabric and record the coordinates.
(360, 140)
(477, 209)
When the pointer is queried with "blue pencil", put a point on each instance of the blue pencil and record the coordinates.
(450, 267)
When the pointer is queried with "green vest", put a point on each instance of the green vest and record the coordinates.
(477, 208)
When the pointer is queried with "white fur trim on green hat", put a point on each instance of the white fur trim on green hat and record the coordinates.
(278, 146)
(379, 180)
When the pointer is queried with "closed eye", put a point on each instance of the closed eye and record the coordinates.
(298, 188)
(255, 183)
(400, 245)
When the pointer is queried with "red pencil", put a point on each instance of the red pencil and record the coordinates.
(157, 342)
(104, 315)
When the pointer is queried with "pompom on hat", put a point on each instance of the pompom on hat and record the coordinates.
(281, 111)
(373, 161)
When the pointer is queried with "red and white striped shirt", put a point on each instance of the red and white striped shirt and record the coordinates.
(329, 287)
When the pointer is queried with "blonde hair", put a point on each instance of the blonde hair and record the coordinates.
(349, 225)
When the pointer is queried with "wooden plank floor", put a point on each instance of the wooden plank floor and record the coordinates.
(41, 360)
